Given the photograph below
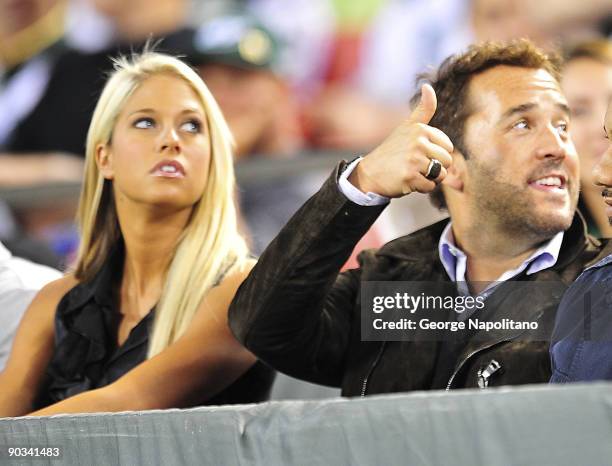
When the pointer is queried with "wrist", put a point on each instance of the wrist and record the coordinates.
(359, 178)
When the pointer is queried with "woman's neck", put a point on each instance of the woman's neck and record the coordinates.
(150, 239)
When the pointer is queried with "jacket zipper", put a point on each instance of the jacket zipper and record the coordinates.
(364, 385)
(484, 375)
(450, 381)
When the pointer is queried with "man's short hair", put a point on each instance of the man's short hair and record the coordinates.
(451, 83)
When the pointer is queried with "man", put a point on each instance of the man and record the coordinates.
(510, 182)
(581, 347)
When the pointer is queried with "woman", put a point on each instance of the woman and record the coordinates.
(142, 321)
(587, 84)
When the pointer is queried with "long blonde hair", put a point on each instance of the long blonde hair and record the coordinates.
(210, 244)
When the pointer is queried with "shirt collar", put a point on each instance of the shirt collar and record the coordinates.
(454, 259)
(605, 261)
(100, 287)
(449, 252)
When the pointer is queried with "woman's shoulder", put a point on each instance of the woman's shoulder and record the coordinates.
(236, 274)
(54, 291)
(41, 312)
(221, 294)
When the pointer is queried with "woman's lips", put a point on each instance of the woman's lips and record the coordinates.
(168, 169)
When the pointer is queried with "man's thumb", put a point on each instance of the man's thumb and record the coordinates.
(426, 107)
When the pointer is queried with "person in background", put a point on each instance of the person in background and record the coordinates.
(31, 43)
(587, 84)
(581, 347)
(237, 58)
(20, 280)
(141, 323)
(60, 120)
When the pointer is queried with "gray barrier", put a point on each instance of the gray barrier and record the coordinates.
(537, 425)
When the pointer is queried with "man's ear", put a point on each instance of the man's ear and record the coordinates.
(455, 175)
(104, 161)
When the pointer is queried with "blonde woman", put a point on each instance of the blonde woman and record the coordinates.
(142, 321)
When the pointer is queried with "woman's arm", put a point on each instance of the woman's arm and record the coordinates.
(32, 350)
(205, 360)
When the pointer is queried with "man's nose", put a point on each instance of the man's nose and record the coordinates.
(553, 145)
(602, 171)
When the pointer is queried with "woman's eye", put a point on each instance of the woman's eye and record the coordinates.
(144, 123)
(191, 126)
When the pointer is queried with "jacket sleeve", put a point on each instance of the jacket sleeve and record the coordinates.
(294, 310)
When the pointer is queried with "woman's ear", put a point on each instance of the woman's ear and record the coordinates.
(455, 174)
(104, 161)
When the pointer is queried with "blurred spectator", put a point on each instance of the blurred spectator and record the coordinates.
(56, 119)
(20, 280)
(237, 58)
(587, 84)
(60, 120)
(30, 45)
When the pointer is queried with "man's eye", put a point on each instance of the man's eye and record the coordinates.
(144, 123)
(521, 124)
(562, 127)
(192, 126)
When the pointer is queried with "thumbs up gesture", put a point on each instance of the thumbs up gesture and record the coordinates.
(400, 164)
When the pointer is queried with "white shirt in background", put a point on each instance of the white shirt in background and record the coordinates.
(20, 280)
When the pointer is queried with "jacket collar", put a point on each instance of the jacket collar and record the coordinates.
(422, 245)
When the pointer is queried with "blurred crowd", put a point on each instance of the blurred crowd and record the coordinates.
(292, 78)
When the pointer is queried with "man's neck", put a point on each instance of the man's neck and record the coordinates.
(491, 253)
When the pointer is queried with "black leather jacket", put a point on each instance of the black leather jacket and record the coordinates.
(297, 313)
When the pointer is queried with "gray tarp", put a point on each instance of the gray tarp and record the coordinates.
(538, 425)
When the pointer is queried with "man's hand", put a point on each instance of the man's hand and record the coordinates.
(398, 166)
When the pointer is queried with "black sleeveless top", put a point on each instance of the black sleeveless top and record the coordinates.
(86, 355)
